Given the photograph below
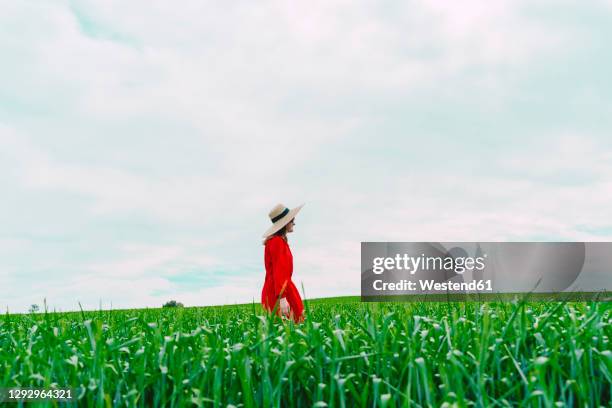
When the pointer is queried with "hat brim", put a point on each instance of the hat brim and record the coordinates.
(282, 222)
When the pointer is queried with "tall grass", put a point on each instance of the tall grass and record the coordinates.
(346, 353)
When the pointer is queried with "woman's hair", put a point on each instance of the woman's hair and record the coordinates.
(281, 232)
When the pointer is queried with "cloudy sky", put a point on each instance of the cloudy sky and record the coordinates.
(143, 143)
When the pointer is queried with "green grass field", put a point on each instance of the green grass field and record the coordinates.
(346, 353)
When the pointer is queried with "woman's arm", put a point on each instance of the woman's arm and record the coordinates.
(280, 268)
(280, 274)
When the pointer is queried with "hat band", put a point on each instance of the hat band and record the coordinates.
(281, 215)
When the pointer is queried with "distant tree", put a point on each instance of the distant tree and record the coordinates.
(33, 309)
(173, 303)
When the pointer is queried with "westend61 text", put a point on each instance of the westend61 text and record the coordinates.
(428, 284)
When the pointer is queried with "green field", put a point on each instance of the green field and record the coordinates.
(346, 353)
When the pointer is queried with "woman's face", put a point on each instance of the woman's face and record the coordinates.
(290, 226)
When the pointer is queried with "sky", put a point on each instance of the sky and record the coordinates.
(143, 143)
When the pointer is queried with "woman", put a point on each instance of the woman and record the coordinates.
(278, 290)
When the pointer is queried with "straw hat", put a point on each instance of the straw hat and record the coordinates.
(280, 216)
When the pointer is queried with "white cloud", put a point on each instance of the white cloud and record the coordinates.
(328, 268)
(265, 91)
(544, 190)
(138, 262)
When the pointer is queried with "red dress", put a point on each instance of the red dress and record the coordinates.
(279, 268)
